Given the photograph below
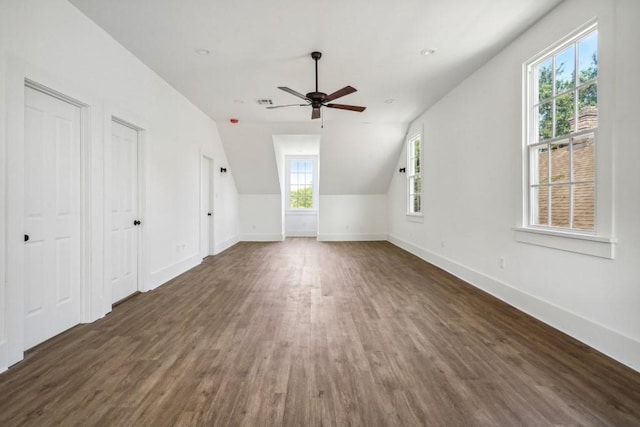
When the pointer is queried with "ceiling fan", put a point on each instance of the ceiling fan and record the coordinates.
(318, 99)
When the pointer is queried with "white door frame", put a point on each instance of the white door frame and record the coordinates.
(17, 80)
(206, 157)
(108, 134)
(130, 120)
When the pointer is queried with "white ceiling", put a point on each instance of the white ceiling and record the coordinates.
(258, 45)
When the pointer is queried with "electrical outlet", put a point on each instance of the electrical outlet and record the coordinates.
(501, 262)
(442, 243)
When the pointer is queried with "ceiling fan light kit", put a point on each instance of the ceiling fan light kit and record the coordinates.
(318, 99)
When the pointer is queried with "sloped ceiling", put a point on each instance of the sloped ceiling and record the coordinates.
(258, 45)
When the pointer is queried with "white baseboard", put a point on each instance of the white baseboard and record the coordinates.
(256, 237)
(223, 246)
(301, 233)
(615, 345)
(352, 237)
(160, 277)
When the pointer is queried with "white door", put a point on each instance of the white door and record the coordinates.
(52, 217)
(123, 209)
(206, 213)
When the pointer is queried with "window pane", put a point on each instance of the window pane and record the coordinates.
(539, 165)
(294, 179)
(417, 185)
(308, 179)
(544, 77)
(584, 158)
(584, 206)
(545, 121)
(588, 107)
(565, 70)
(564, 114)
(416, 203)
(588, 57)
(560, 162)
(560, 203)
(540, 205)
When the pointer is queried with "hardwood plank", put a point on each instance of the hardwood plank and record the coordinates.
(308, 333)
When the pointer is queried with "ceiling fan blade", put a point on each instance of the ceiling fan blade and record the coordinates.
(315, 113)
(347, 107)
(293, 92)
(288, 105)
(339, 93)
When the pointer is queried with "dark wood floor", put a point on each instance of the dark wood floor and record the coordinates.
(305, 333)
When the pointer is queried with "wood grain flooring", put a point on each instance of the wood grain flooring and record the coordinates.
(304, 333)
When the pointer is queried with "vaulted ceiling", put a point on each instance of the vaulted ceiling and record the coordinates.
(255, 46)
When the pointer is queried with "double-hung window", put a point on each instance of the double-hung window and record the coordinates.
(414, 176)
(561, 138)
(301, 173)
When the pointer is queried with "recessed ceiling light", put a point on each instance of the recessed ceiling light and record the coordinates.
(389, 101)
(427, 52)
(238, 101)
(203, 51)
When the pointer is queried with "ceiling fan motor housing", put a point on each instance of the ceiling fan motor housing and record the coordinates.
(318, 99)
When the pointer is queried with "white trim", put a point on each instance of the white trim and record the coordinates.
(598, 246)
(415, 217)
(162, 276)
(624, 349)
(363, 237)
(261, 237)
(301, 212)
(223, 246)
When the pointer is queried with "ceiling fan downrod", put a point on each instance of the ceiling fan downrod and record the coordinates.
(316, 56)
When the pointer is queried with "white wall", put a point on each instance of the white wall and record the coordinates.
(51, 42)
(353, 217)
(472, 194)
(261, 217)
(301, 224)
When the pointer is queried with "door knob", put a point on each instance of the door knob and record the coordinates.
(208, 213)
(26, 237)
(136, 222)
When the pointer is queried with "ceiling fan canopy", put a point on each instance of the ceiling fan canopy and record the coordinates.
(318, 99)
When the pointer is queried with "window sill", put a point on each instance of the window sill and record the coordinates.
(586, 244)
(414, 217)
(300, 211)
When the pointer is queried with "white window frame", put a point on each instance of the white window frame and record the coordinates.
(412, 174)
(288, 160)
(599, 241)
